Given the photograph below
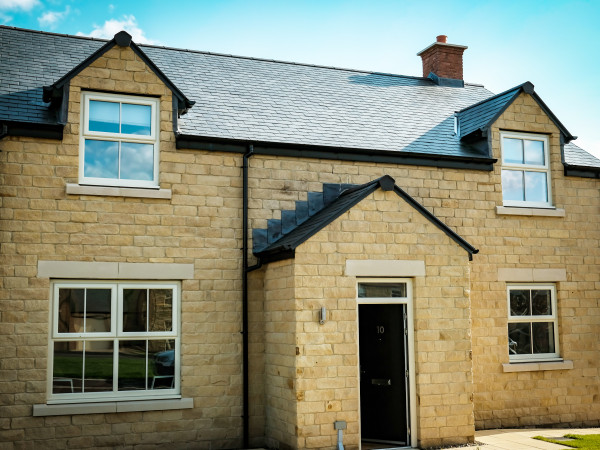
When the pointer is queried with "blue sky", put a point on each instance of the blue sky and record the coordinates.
(552, 43)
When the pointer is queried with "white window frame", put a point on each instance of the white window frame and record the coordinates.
(553, 318)
(528, 167)
(152, 139)
(115, 335)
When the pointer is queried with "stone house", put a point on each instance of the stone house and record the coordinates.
(211, 251)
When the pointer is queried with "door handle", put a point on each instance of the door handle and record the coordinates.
(381, 381)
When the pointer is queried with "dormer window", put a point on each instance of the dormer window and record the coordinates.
(525, 170)
(119, 141)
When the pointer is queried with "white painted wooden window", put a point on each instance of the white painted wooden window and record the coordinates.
(532, 322)
(114, 341)
(119, 140)
(525, 170)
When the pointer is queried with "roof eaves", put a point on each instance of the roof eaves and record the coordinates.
(572, 170)
(185, 103)
(285, 249)
(232, 145)
(568, 137)
(492, 97)
(528, 88)
(31, 129)
(54, 92)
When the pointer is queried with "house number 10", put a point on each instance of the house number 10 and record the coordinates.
(380, 329)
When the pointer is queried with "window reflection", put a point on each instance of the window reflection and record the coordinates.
(135, 303)
(137, 161)
(519, 302)
(534, 152)
(98, 373)
(162, 361)
(161, 310)
(519, 338)
(101, 159)
(536, 187)
(541, 302)
(513, 185)
(512, 150)
(82, 366)
(382, 290)
(136, 119)
(104, 116)
(132, 365)
(82, 310)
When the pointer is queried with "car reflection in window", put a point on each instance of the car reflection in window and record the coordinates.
(164, 369)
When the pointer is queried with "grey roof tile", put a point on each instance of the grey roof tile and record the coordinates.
(262, 100)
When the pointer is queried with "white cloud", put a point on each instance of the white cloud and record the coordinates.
(18, 4)
(51, 18)
(4, 19)
(113, 26)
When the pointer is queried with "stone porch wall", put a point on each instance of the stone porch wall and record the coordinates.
(383, 226)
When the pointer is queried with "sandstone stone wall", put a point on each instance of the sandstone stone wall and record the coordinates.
(201, 225)
(571, 243)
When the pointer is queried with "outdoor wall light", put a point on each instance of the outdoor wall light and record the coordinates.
(323, 315)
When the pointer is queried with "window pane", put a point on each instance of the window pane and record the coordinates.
(512, 150)
(98, 373)
(160, 317)
(97, 316)
(137, 161)
(136, 119)
(543, 337)
(104, 116)
(369, 290)
(534, 152)
(67, 371)
(536, 188)
(512, 185)
(101, 159)
(135, 309)
(519, 338)
(161, 360)
(519, 302)
(70, 310)
(132, 365)
(541, 303)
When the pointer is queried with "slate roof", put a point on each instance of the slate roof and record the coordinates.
(333, 204)
(478, 116)
(257, 100)
(576, 156)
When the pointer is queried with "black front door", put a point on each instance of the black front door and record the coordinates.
(383, 373)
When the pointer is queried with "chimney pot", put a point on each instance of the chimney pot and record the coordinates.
(443, 59)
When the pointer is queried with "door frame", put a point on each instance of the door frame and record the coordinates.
(408, 301)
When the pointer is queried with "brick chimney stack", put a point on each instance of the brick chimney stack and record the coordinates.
(443, 59)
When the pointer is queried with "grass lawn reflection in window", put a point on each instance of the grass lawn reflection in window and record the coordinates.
(87, 366)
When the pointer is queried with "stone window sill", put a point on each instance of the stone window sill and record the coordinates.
(537, 366)
(540, 212)
(68, 409)
(109, 191)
